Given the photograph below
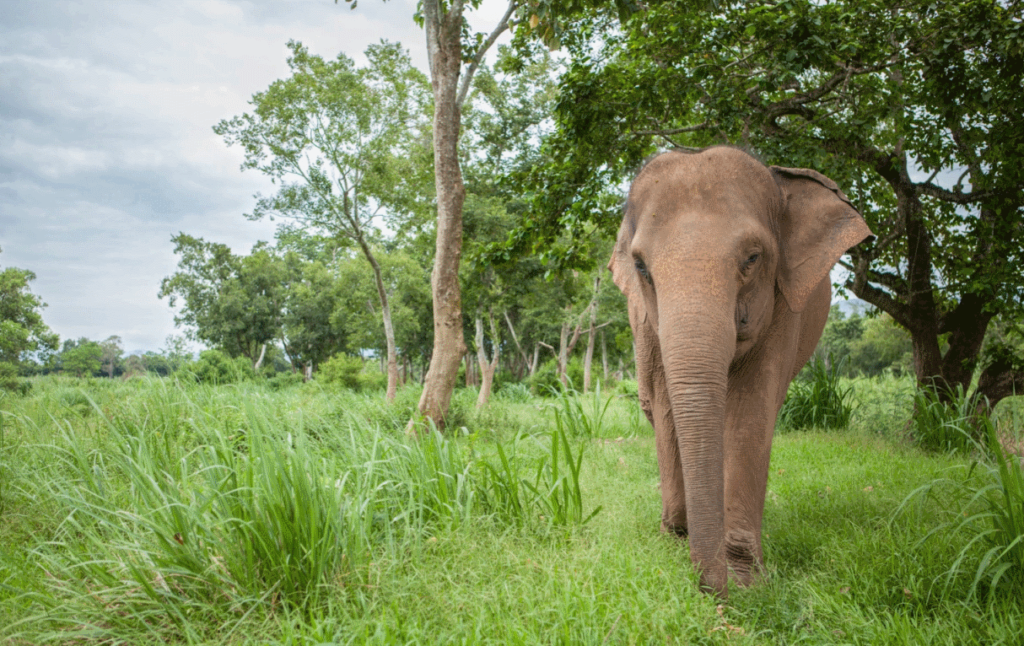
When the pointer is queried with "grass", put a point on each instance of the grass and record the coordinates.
(305, 516)
(819, 400)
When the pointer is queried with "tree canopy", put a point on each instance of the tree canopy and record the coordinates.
(22, 330)
(913, 107)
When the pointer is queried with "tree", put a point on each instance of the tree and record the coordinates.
(22, 329)
(338, 140)
(446, 29)
(82, 358)
(913, 107)
(232, 302)
(112, 349)
(311, 335)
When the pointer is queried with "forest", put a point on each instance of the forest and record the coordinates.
(413, 416)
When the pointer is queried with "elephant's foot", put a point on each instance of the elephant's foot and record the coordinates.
(678, 530)
(744, 556)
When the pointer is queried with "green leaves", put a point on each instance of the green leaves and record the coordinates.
(22, 329)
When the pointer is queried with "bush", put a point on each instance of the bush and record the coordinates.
(283, 380)
(340, 370)
(9, 380)
(215, 367)
(628, 388)
(545, 379)
(818, 402)
(517, 393)
(352, 373)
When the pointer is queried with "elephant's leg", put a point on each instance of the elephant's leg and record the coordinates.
(650, 372)
(749, 429)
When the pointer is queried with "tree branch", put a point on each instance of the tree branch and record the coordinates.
(479, 55)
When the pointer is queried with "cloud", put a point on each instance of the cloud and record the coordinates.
(106, 146)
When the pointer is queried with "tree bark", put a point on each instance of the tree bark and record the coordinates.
(604, 356)
(588, 359)
(444, 50)
(487, 367)
(444, 53)
(259, 362)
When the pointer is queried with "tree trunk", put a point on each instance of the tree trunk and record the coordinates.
(259, 362)
(487, 368)
(444, 50)
(536, 358)
(385, 309)
(521, 365)
(604, 357)
(588, 359)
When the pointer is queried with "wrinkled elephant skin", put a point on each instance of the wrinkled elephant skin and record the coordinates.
(725, 264)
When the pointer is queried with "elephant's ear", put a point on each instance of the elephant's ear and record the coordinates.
(818, 224)
(622, 265)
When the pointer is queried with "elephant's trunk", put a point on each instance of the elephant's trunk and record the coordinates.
(697, 346)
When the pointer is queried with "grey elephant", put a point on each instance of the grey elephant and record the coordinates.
(725, 264)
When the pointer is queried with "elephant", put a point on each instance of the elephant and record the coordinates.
(725, 266)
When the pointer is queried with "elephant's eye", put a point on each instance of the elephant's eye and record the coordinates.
(751, 260)
(641, 269)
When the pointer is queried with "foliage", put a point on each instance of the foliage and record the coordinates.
(819, 401)
(215, 367)
(952, 424)
(545, 379)
(580, 414)
(556, 487)
(432, 577)
(230, 302)
(914, 116)
(22, 330)
(351, 372)
(515, 392)
(186, 491)
(987, 506)
(81, 358)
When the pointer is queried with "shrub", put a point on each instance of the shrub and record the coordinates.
(282, 380)
(545, 379)
(818, 402)
(628, 388)
(515, 392)
(215, 367)
(9, 380)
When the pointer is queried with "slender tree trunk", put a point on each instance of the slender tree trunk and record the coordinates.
(521, 366)
(563, 351)
(385, 309)
(588, 360)
(259, 362)
(444, 50)
(487, 368)
(604, 356)
(536, 358)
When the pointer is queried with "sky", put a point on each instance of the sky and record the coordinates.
(106, 141)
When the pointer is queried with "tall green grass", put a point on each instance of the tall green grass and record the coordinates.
(580, 414)
(950, 425)
(186, 511)
(985, 505)
(819, 400)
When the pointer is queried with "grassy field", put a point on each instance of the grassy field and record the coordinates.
(144, 511)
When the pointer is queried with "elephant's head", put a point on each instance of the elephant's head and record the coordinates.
(712, 247)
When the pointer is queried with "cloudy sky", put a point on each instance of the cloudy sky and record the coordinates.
(106, 140)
